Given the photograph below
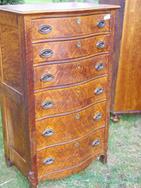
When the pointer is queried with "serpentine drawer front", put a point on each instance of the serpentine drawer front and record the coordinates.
(61, 100)
(71, 49)
(71, 126)
(71, 154)
(70, 73)
(55, 86)
(50, 28)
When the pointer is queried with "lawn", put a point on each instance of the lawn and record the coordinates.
(123, 169)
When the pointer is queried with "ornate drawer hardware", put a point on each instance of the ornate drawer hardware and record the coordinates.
(77, 116)
(101, 24)
(48, 161)
(78, 44)
(46, 53)
(47, 104)
(99, 66)
(98, 90)
(78, 21)
(45, 29)
(48, 132)
(100, 44)
(96, 142)
(47, 77)
(97, 116)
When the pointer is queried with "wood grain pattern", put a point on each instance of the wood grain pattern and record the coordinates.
(73, 153)
(70, 73)
(12, 93)
(128, 90)
(69, 99)
(117, 42)
(11, 57)
(69, 49)
(75, 103)
(69, 127)
(8, 18)
(60, 174)
(70, 26)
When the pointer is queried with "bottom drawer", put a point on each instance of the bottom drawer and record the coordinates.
(69, 155)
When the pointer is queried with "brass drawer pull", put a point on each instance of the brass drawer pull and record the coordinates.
(97, 116)
(48, 161)
(100, 44)
(98, 90)
(95, 143)
(47, 104)
(45, 29)
(46, 53)
(48, 132)
(101, 24)
(47, 78)
(99, 66)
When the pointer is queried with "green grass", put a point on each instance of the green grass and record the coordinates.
(123, 169)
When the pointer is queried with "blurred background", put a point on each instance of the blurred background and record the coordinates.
(40, 1)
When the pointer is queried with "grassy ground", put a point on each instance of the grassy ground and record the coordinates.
(123, 169)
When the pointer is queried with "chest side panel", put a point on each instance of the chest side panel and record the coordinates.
(12, 90)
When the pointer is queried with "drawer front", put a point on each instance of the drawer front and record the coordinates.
(70, 26)
(72, 98)
(62, 129)
(71, 154)
(69, 73)
(63, 50)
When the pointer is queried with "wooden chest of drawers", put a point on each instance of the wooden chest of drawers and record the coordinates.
(56, 62)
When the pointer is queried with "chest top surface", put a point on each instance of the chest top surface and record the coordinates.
(55, 7)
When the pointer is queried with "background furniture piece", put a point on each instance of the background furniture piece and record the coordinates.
(126, 89)
(55, 85)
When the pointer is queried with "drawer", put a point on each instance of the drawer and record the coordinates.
(64, 50)
(64, 27)
(68, 155)
(57, 101)
(66, 128)
(69, 73)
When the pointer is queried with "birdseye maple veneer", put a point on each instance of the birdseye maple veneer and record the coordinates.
(56, 62)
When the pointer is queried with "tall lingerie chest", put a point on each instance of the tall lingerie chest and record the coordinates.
(55, 74)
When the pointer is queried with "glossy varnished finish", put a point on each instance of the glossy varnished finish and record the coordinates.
(12, 93)
(11, 77)
(117, 43)
(73, 153)
(70, 26)
(128, 80)
(81, 122)
(71, 49)
(126, 90)
(71, 72)
(70, 98)
(59, 103)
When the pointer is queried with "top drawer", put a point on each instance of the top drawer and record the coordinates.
(49, 28)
